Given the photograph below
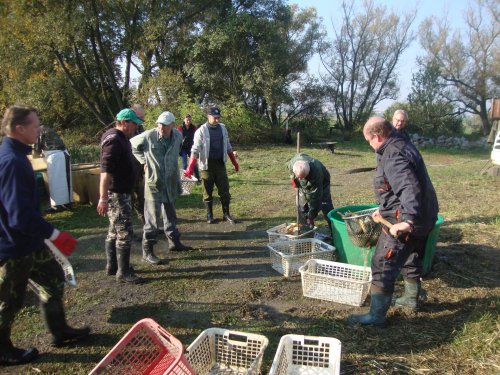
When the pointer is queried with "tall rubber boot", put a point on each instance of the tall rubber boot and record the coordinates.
(125, 273)
(412, 295)
(226, 215)
(380, 303)
(210, 213)
(175, 244)
(148, 256)
(10, 355)
(55, 320)
(111, 263)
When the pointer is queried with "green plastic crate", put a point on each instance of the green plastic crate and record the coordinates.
(347, 252)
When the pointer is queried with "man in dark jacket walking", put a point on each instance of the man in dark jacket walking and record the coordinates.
(408, 201)
(23, 253)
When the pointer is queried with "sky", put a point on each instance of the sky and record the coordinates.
(452, 9)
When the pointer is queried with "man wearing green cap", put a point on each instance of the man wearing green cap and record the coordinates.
(115, 189)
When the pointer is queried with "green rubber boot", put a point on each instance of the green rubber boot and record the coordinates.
(412, 295)
(380, 303)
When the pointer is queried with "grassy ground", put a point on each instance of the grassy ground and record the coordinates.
(227, 280)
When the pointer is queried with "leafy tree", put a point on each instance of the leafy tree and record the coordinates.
(255, 55)
(360, 62)
(469, 61)
(428, 109)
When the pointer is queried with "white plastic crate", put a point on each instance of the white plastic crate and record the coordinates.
(288, 256)
(279, 233)
(307, 355)
(187, 183)
(221, 351)
(336, 282)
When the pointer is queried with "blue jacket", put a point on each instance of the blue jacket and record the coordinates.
(22, 228)
(402, 185)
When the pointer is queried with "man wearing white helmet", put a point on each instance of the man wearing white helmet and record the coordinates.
(158, 150)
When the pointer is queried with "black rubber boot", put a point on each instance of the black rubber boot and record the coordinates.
(53, 314)
(412, 295)
(111, 263)
(175, 244)
(148, 256)
(210, 213)
(10, 355)
(226, 215)
(380, 303)
(125, 273)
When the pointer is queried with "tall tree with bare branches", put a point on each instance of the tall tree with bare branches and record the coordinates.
(361, 60)
(469, 61)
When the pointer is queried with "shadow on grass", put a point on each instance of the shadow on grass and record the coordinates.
(405, 335)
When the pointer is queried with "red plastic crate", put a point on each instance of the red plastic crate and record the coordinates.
(147, 348)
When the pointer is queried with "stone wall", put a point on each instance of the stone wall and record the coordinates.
(444, 141)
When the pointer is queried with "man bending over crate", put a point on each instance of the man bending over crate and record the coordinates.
(407, 201)
(158, 150)
(312, 179)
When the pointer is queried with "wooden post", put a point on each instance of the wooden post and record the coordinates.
(297, 193)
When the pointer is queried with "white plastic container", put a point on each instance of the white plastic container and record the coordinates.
(288, 256)
(307, 355)
(335, 282)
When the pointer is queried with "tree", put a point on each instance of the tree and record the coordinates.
(469, 61)
(255, 55)
(428, 109)
(360, 62)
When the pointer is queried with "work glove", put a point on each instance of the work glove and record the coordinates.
(234, 161)
(190, 169)
(294, 184)
(65, 242)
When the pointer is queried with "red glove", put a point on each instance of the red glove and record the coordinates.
(233, 160)
(65, 242)
(190, 169)
(293, 183)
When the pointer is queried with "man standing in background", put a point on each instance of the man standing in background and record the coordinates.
(211, 148)
(187, 128)
(399, 121)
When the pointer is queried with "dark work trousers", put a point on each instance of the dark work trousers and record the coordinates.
(393, 256)
(216, 174)
(39, 266)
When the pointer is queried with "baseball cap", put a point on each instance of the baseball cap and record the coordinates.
(214, 111)
(166, 118)
(128, 114)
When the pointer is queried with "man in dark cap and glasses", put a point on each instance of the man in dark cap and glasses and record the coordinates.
(211, 149)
